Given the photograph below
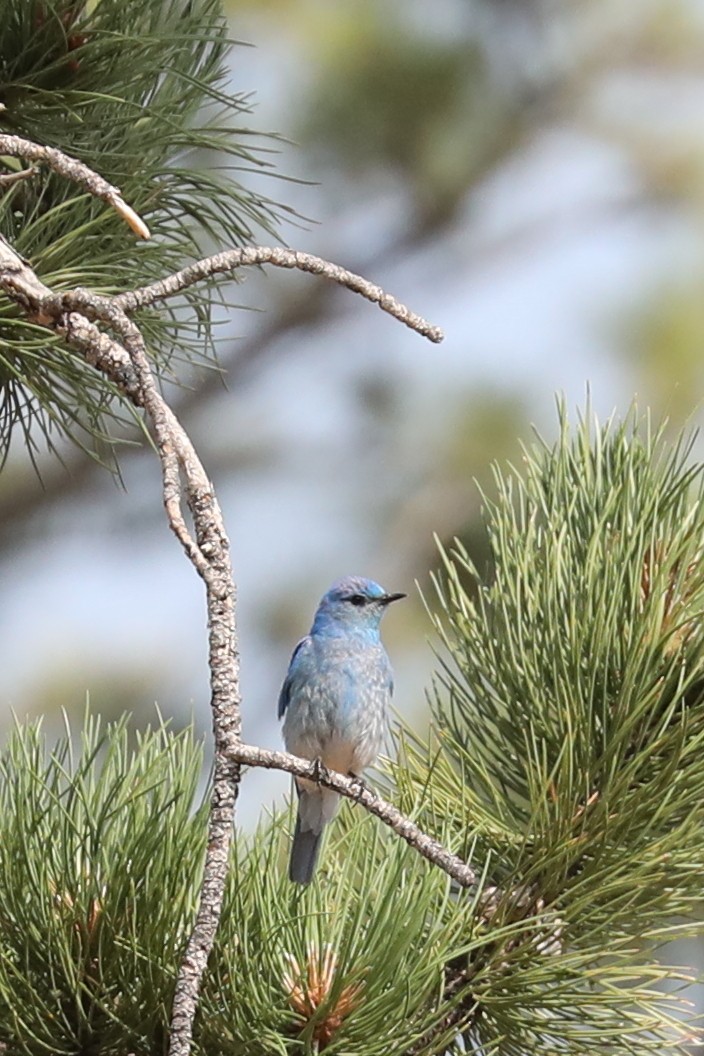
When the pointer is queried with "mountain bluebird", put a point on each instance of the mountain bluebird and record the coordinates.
(334, 702)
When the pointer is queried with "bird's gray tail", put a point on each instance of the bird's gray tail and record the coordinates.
(304, 854)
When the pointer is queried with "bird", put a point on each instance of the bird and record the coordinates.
(334, 703)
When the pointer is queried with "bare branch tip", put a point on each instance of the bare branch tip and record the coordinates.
(130, 217)
(10, 178)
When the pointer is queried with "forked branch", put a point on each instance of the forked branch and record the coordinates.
(101, 331)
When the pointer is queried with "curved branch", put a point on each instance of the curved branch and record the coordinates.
(222, 263)
(73, 315)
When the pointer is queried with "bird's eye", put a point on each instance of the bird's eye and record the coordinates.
(357, 599)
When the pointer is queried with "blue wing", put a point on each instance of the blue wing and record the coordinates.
(285, 694)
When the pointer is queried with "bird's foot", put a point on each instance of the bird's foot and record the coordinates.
(363, 787)
(320, 771)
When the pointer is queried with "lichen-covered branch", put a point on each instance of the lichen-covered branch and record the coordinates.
(354, 789)
(184, 476)
(100, 329)
(74, 316)
(223, 263)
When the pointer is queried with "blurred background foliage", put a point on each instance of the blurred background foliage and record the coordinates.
(526, 174)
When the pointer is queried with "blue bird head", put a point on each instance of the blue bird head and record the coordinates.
(352, 604)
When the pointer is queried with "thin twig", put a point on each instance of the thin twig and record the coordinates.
(222, 263)
(10, 178)
(77, 172)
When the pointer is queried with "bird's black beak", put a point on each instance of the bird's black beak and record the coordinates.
(388, 598)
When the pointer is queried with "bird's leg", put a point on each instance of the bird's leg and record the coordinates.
(320, 771)
(362, 785)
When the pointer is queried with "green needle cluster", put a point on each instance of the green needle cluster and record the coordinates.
(138, 90)
(569, 734)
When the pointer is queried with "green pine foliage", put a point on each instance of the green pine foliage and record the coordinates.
(137, 89)
(569, 712)
(354, 964)
(101, 846)
(565, 765)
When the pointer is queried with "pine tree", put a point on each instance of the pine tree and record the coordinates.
(568, 708)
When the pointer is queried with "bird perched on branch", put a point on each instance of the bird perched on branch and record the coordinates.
(334, 702)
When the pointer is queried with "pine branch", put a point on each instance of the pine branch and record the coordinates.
(357, 791)
(102, 838)
(78, 173)
(569, 707)
(73, 316)
(281, 258)
(108, 83)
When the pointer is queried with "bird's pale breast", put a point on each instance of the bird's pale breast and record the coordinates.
(338, 700)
